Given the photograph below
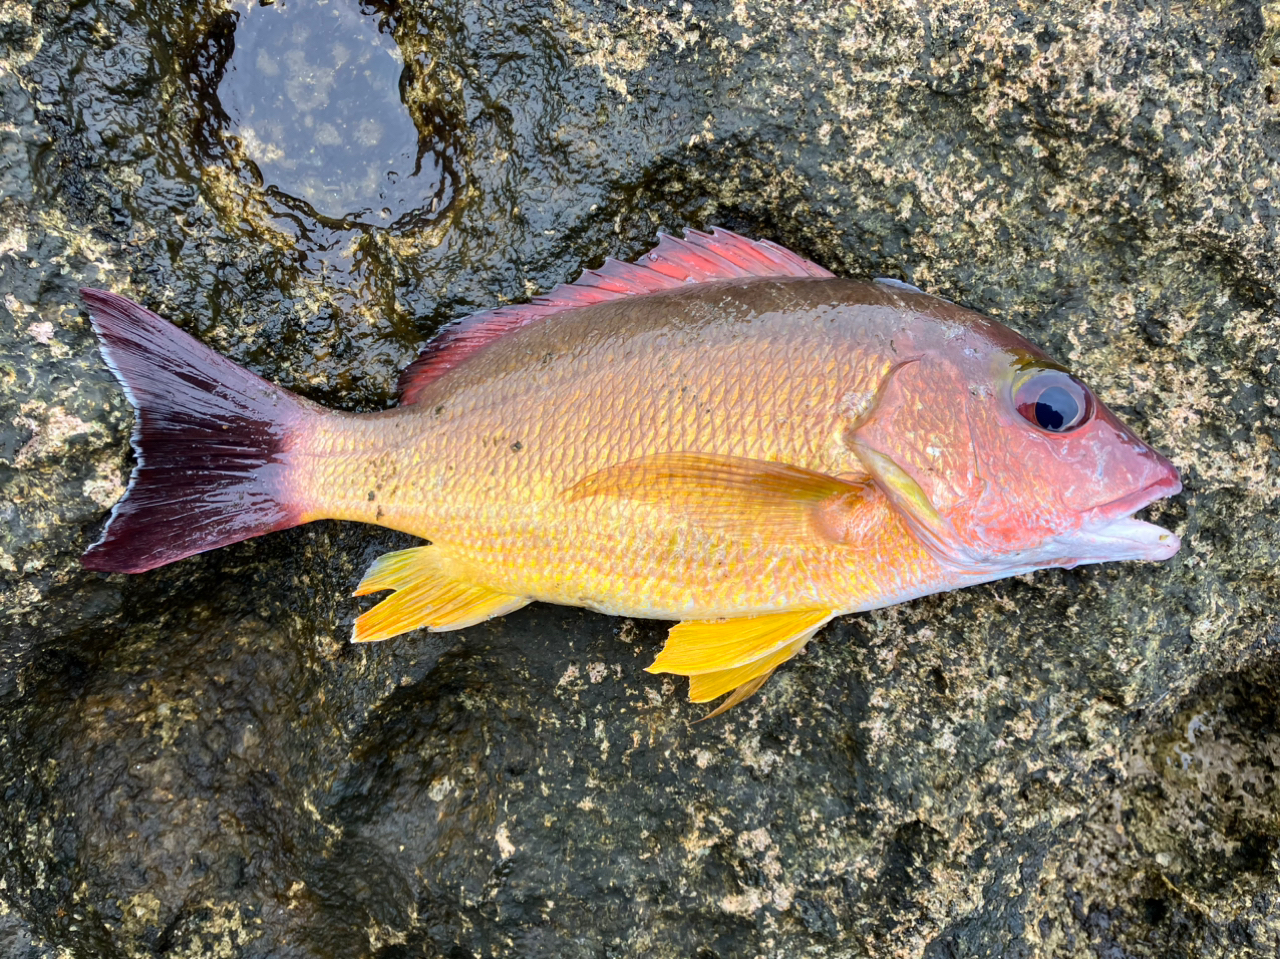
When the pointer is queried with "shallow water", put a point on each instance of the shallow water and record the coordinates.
(312, 94)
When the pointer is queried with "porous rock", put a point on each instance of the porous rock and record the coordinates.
(1076, 763)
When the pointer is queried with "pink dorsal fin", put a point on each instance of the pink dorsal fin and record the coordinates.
(698, 258)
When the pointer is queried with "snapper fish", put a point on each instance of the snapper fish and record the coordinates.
(722, 433)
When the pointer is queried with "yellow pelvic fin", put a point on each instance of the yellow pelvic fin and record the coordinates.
(735, 655)
(898, 484)
(705, 687)
(745, 691)
(935, 532)
(712, 646)
(426, 597)
(728, 493)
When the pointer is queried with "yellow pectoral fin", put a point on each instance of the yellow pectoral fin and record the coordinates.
(728, 493)
(426, 597)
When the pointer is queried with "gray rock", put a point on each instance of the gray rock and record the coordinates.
(194, 762)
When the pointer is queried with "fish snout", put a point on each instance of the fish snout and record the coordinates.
(1157, 479)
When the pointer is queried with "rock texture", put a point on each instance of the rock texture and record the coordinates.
(1075, 764)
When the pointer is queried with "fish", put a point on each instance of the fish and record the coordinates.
(722, 433)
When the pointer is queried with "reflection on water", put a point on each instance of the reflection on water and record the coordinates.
(312, 91)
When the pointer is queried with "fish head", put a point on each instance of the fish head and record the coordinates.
(1001, 460)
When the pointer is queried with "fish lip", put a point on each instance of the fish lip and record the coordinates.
(1125, 506)
(1111, 533)
(1122, 538)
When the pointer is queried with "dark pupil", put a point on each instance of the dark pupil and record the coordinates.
(1056, 409)
(1054, 400)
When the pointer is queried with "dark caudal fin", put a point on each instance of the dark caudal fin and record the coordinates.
(211, 441)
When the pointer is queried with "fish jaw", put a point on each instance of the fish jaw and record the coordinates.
(1120, 539)
(1110, 532)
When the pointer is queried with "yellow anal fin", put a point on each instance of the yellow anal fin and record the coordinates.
(712, 646)
(730, 493)
(426, 597)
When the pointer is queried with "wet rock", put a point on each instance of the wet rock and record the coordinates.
(1075, 763)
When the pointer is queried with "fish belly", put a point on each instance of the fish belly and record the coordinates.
(672, 570)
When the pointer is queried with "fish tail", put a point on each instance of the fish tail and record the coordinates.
(211, 440)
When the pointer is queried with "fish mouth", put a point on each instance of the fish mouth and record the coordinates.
(1110, 532)
(1122, 538)
(1106, 533)
(1124, 506)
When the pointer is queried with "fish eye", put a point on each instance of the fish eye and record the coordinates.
(1054, 400)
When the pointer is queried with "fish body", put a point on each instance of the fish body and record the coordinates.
(485, 463)
(750, 449)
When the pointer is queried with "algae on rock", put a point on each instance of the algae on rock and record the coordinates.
(1076, 763)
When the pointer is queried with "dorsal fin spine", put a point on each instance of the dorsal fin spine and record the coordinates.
(696, 258)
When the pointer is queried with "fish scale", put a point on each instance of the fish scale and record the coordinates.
(679, 403)
(615, 556)
(723, 434)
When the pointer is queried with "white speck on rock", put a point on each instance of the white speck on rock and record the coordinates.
(569, 676)
(440, 788)
(502, 837)
(41, 332)
(104, 489)
(49, 438)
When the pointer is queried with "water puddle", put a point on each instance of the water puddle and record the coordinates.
(312, 94)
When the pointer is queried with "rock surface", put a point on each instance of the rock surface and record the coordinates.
(194, 762)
